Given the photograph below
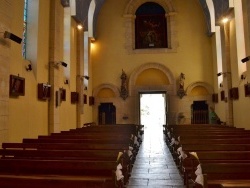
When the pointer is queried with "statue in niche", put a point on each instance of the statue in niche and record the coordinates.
(181, 92)
(124, 90)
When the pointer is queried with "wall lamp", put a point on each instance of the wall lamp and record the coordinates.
(221, 73)
(12, 37)
(82, 77)
(86, 77)
(244, 60)
(60, 63)
(243, 77)
(29, 67)
(66, 82)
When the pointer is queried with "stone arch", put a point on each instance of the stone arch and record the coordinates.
(208, 87)
(107, 85)
(146, 66)
(133, 5)
(129, 22)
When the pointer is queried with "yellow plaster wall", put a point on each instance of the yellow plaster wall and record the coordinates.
(241, 107)
(152, 77)
(193, 57)
(106, 93)
(28, 116)
(199, 91)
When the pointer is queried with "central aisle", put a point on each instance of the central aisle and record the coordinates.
(154, 166)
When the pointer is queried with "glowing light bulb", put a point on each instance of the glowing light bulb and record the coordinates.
(225, 20)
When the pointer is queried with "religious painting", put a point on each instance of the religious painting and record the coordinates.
(16, 86)
(151, 31)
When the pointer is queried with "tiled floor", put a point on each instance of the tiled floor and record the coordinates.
(154, 166)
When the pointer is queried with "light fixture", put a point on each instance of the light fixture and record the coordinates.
(225, 20)
(86, 77)
(29, 67)
(92, 40)
(243, 77)
(56, 64)
(221, 73)
(63, 63)
(79, 26)
(66, 82)
(245, 59)
(12, 37)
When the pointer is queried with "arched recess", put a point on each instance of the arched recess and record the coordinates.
(129, 23)
(132, 81)
(104, 86)
(207, 86)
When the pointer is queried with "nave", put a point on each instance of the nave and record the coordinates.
(154, 166)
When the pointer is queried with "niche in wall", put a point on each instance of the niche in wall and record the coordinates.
(16, 86)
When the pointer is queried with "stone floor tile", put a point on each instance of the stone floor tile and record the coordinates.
(154, 166)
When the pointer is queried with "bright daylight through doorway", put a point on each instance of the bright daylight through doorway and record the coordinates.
(152, 111)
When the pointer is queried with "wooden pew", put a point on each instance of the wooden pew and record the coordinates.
(207, 138)
(205, 141)
(103, 155)
(215, 147)
(51, 181)
(126, 128)
(102, 171)
(190, 163)
(65, 146)
(75, 140)
(216, 141)
(216, 174)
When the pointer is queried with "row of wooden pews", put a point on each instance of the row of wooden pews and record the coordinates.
(91, 156)
(211, 155)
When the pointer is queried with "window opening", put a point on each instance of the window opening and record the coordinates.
(25, 28)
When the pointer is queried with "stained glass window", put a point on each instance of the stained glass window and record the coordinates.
(25, 28)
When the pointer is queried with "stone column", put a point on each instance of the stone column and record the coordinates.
(79, 77)
(227, 77)
(55, 55)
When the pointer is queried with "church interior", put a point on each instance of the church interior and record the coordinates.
(70, 64)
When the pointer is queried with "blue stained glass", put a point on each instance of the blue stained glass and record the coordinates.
(25, 28)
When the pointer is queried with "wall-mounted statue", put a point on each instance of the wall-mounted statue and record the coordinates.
(124, 89)
(181, 92)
